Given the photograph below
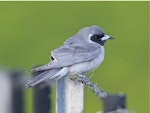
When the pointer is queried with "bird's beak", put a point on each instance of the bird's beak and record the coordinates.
(106, 37)
(111, 37)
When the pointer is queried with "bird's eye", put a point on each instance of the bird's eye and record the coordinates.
(96, 36)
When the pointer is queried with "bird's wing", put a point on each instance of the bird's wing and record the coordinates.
(68, 55)
(42, 76)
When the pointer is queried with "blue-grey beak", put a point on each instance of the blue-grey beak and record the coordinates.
(106, 37)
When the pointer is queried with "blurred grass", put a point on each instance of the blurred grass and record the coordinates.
(29, 30)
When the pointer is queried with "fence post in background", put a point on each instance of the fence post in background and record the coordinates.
(5, 92)
(41, 98)
(69, 96)
(112, 103)
(17, 91)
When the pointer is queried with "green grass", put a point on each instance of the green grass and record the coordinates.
(30, 30)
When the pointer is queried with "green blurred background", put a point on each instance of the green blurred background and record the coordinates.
(30, 30)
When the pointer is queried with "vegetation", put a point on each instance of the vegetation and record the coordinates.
(29, 30)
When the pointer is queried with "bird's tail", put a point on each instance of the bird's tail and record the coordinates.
(42, 76)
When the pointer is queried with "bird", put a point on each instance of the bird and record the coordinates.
(80, 54)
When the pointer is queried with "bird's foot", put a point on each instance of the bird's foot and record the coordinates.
(76, 79)
(97, 90)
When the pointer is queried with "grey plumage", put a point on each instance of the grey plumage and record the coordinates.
(80, 54)
(45, 75)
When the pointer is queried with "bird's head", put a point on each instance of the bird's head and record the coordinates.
(95, 35)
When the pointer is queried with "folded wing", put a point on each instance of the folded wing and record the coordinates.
(68, 55)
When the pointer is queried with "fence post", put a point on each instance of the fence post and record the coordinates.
(69, 96)
(112, 103)
(41, 98)
(5, 92)
(17, 91)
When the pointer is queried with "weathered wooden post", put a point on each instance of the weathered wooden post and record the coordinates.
(70, 96)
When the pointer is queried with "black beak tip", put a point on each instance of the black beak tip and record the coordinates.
(111, 37)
